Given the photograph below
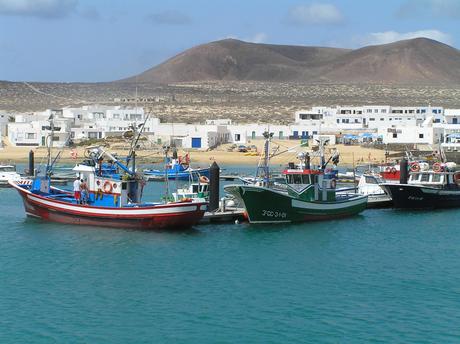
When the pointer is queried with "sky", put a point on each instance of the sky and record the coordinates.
(104, 40)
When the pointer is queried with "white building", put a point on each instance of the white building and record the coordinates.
(393, 124)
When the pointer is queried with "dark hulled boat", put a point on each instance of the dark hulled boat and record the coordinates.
(426, 189)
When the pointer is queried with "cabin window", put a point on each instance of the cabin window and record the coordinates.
(195, 188)
(297, 179)
(371, 180)
(306, 179)
(436, 178)
(425, 178)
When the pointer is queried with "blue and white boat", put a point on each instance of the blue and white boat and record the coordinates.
(177, 169)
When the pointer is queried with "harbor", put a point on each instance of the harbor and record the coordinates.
(229, 172)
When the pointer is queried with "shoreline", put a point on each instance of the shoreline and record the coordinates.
(349, 155)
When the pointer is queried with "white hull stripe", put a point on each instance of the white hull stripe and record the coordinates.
(115, 211)
(327, 206)
(439, 192)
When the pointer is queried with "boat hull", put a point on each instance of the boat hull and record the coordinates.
(422, 197)
(174, 175)
(265, 205)
(165, 216)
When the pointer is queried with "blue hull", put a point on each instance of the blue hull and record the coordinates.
(177, 175)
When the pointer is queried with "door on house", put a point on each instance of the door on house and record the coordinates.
(253, 135)
(196, 142)
(280, 135)
(304, 134)
(237, 137)
(295, 133)
(43, 141)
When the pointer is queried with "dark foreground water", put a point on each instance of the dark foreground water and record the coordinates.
(385, 276)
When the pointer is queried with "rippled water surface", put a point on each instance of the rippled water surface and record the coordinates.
(384, 276)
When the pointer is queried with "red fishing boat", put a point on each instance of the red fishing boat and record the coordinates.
(107, 199)
(52, 204)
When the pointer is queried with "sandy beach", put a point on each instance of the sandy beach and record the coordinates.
(348, 154)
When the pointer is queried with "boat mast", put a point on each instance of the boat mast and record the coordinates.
(50, 144)
(265, 167)
(166, 150)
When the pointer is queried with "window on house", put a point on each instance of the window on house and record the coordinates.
(382, 119)
(31, 136)
(395, 136)
(376, 110)
(371, 119)
(369, 111)
(420, 136)
(384, 111)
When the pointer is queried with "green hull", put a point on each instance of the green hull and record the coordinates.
(265, 205)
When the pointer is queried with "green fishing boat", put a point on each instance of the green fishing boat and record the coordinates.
(309, 194)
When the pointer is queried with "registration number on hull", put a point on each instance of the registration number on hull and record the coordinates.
(274, 214)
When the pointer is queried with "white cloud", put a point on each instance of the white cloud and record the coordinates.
(259, 37)
(38, 8)
(439, 8)
(393, 36)
(314, 14)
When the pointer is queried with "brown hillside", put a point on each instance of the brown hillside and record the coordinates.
(232, 59)
(419, 60)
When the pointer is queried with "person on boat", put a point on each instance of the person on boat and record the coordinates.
(84, 191)
(77, 190)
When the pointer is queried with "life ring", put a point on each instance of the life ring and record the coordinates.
(107, 187)
(333, 183)
(74, 154)
(204, 179)
(415, 167)
(437, 167)
(392, 170)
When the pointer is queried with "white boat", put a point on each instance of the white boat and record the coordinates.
(369, 184)
(8, 173)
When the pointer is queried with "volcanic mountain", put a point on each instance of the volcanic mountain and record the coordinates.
(413, 61)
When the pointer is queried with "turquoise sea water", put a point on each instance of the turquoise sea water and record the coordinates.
(385, 276)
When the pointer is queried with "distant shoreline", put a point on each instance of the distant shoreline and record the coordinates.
(348, 155)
